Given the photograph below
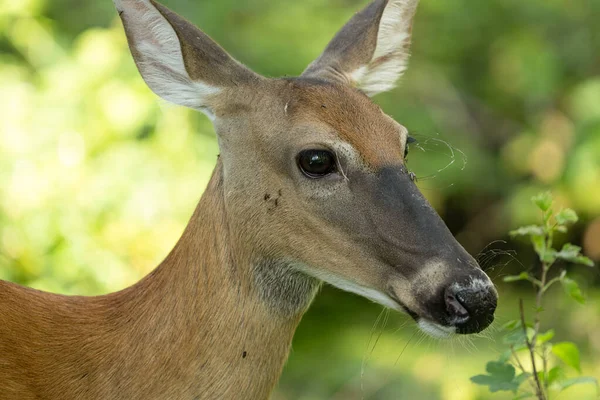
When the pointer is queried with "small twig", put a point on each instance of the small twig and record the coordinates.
(545, 365)
(541, 288)
(538, 389)
(514, 354)
(551, 282)
(536, 282)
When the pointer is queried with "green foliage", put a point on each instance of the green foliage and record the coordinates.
(572, 254)
(566, 216)
(572, 289)
(568, 353)
(546, 336)
(523, 276)
(521, 335)
(501, 376)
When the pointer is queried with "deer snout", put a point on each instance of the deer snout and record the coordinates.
(470, 305)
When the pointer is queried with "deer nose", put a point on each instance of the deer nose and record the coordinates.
(470, 308)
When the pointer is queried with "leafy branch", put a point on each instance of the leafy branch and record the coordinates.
(524, 336)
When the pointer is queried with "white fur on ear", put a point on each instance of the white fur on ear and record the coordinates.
(157, 52)
(391, 55)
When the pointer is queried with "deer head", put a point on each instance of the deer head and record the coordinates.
(313, 171)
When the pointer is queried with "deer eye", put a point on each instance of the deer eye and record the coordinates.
(409, 140)
(316, 163)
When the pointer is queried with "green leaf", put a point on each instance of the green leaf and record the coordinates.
(560, 228)
(570, 250)
(549, 256)
(566, 216)
(572, 253)
(517, 337)
(522, 378)
(555, 374)
(512, 324)
(562, 385)
(572, 289)
(528, 230)
(501, 376)
(568, 353)
(546, 336)
(543, 201)
(523, 276)
(539, 243)
(583, 260)
(505, 356)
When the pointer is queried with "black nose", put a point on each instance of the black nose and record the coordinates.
(470, 307)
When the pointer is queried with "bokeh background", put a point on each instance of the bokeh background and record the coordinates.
(98, 177)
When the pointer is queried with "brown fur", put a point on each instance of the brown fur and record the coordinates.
(354, 117)
(150, 341)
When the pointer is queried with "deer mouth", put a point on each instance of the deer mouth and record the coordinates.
(428, 326)
(431, 328)
(436, 330)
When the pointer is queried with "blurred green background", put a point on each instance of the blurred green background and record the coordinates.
(98, 177)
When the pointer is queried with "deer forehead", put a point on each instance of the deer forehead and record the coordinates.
(347, 113)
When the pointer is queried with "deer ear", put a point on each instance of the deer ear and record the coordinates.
(179, 62)
(371, 51)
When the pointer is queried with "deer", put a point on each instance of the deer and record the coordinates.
(310, 187)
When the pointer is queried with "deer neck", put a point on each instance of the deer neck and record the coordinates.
(222, 318)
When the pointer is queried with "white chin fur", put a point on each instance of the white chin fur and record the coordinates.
(436, 330)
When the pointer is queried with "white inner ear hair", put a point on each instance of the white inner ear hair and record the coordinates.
(159, 57)
(390, 58)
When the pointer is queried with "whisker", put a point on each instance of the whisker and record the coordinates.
(369, 351)
(431, 144)
(405, 347)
